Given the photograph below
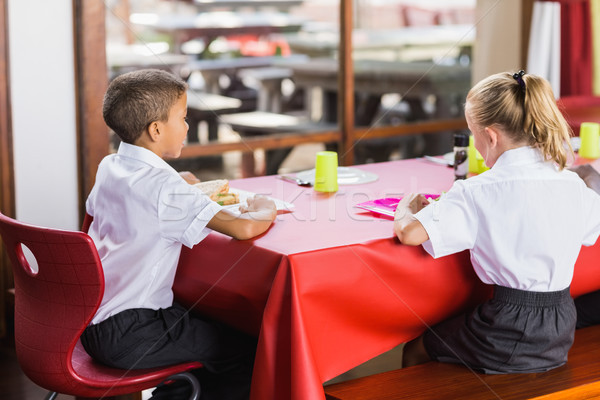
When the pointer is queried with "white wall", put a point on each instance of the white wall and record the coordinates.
(43, 112)
(498, 41)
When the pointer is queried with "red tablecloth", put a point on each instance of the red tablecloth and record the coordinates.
(329, 287)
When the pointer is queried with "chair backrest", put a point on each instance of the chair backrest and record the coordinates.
(54, 304)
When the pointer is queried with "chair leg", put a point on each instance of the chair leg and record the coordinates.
(188, 376)
(51, 396)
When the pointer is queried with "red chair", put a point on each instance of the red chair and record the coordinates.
(54, 301)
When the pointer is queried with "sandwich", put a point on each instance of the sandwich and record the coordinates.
(218, 190)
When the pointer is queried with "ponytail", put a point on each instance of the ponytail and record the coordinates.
(544, 121)
(524, 107)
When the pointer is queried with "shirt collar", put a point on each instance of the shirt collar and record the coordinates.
(520, 156)
(142, 154)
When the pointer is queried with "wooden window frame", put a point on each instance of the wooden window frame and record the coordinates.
(7, 198)
(93, 135)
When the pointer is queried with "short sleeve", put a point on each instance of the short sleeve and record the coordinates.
(184, 211)
(451, 222)
(591, 217)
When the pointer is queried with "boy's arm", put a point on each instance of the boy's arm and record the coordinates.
(255, 219)
(189, 177)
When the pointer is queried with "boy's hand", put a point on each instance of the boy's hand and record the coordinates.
(189, 177)
(259, 203)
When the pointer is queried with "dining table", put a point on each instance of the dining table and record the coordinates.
(449, 84)
(280, 5)
(408, 43)
(329, 286)
(430, 90)
(212, 24)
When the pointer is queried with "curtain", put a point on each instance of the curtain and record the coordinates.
(576, 69)
(543, 56)
(576, 48)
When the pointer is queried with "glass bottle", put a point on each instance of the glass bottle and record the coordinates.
(461, 164)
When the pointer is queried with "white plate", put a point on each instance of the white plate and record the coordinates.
(346, 176)
(244, 195)
(449, 158)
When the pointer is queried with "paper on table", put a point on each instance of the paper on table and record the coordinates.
(387, 206)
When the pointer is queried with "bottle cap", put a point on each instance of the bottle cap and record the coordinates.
(461, 140)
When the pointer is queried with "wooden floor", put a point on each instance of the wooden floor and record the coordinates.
(14, 385)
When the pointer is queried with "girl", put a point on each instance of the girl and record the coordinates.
(524, 222)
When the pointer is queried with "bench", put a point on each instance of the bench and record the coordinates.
(213, 69)
(208, 107)
(268, 80)
(578, 379)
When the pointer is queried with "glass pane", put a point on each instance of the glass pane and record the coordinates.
(411, 64)
(240, 66)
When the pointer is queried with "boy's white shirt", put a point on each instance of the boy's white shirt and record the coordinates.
(524, 222)
(143, 212)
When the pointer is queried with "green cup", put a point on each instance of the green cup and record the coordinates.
(481, 167)
(326, 171)
(476, 162)
(472, 156)
(589, 133)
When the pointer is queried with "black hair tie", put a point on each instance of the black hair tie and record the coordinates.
(518, 76)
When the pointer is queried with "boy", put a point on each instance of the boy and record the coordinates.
(143, 211)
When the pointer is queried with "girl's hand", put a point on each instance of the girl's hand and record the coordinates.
(410, 205)
(406, 227)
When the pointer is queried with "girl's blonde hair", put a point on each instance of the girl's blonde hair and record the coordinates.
(523, 106)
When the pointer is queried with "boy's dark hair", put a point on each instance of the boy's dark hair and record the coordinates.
(136, 99)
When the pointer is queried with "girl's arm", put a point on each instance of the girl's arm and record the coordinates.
(255, 219)
(406, 227)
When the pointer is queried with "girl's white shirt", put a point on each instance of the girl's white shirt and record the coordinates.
(524, 222)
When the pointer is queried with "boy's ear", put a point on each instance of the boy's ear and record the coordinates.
(154, 131)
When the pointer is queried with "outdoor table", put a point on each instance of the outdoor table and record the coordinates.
(212, 24)
(415, 82)
(401, 44)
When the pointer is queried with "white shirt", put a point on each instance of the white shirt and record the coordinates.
(143, 212)
(524, 222)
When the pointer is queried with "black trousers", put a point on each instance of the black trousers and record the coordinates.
(145, 338)
(588, 309)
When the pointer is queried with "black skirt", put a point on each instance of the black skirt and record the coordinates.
(516, 331)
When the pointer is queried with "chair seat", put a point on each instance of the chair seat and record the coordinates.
(99, 379)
